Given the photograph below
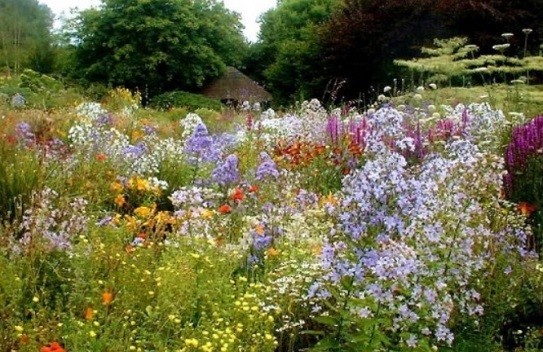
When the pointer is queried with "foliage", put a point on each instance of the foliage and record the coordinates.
(24, 36)
(155, 46)
(290, 48)
(363, 38)
(187, 100)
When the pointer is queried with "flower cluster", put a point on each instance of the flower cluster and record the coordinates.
(51, 224)
(411, 241)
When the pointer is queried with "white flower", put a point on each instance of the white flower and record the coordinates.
(432, 86)
(387, 89)
(527, 31)
(507, 35)
(500, 47)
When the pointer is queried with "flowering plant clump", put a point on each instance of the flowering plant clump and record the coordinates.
(524, 164)
(409, 246)
(50, 225)
(387, 229)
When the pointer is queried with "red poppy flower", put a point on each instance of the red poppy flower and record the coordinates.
(225, 209)
(237, 196)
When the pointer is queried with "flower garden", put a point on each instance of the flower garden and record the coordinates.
(405, 227)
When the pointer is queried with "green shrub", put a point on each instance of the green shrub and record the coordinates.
(180, 99)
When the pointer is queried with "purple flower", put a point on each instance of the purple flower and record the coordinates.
(267, 167)
(226, 173)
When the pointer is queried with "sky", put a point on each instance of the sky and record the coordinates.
(250, 10)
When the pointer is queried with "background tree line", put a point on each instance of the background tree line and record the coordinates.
(328, 49)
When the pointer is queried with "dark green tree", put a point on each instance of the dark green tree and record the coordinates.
(156, 45)
(289, 49)
(24, 35)
(364, 37)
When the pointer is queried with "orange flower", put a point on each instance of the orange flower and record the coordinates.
(101, 157)
(526, 209)
(259, 229)
(237, 196)
(24, 339)
(89, 313)
(272, 252)
(107, 297)
(225, 208)
(52, 347)
(253, 189)
(119, 200)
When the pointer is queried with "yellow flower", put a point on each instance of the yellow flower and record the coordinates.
(206, 213)
(143, 212)
(116, 187)
(329, 199)
(142, 184)
(119, 200)
(191, 342)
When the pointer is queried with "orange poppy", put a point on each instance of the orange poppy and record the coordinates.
(89, 313)
(107, 297)
(526, 209)
(225, 209)
(253, 189)
(52, 347)
(101, 157)
(237, 196)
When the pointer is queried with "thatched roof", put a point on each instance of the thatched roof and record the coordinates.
(234, 85)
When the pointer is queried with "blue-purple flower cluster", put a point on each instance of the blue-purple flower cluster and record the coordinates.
(411, 239)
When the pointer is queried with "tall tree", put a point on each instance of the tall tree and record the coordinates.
(24, 32)
(290, 48)
(157, 45)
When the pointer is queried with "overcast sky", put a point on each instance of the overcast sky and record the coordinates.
(249, 10)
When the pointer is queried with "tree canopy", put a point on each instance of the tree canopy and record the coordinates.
(289, 51)
(157, 45)
(364, 37)
(25, 35)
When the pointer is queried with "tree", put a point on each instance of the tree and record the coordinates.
(24, 33)
(365, 36)
(157, 45)
(290, 48)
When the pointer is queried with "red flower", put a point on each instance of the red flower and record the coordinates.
(253, 189)
(225, 209)
(101, 157)
(52, 347)
(526, 209)
(237, 196)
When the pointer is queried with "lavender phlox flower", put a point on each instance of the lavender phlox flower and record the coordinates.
(104, 120)
(25, 134)
(149, 130)
(187, 197)
(135, 151)
(226, 173)
(51, 225)
(266, 168)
